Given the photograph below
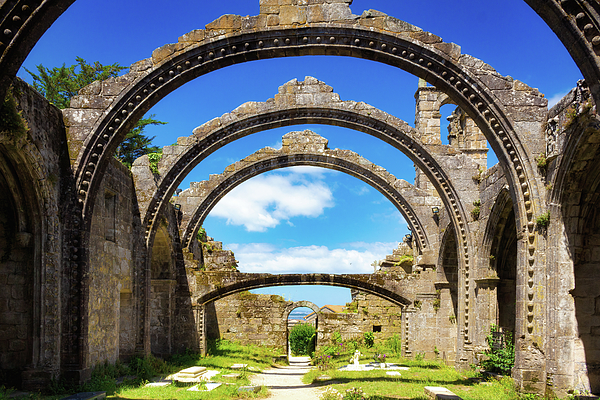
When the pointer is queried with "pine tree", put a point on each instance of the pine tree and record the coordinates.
(59, 84)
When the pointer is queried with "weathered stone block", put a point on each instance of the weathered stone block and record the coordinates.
(227, 22)
(269, 10)
(197, 35)
(291, 15)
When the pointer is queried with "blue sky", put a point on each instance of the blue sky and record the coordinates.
(305, 219)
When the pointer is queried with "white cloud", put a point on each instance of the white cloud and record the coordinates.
(357, 259)
(556, 98)
(264, 201)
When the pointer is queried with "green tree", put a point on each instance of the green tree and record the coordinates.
(302, 338)
(136, 144)
(59, 84)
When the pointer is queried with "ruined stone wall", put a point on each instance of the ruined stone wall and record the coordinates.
(31, 239)
(250, 318)
(165, 261)
(114, 241)
(366, 313)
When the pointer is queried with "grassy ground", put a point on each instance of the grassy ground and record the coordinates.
(410, 384)
(135, 375)
(222, 357)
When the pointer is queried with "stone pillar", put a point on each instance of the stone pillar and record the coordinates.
(427, 123)
(487, 308)
(199, 312)
(407, 332)
(446, 323)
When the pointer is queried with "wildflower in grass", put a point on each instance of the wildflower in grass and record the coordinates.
(355, 394)
(331, 394)
(380, 357)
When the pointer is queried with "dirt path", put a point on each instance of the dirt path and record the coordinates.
(285, 383)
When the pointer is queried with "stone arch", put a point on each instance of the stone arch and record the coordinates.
(577, 25)
(500, 247)
(448, 270)
(304, 148)
(24, 23)
(30, 265)
(573, 238)
(162, 264)
(179, 159)
(300, 304)
(310, 101)
(233, 39)
(389, 289)
(293, 306)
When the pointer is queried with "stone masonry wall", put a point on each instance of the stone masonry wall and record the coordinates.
(112, 301)
(31, 241)
(250, 318)
(366, 313)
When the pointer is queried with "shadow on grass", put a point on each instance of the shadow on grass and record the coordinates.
(336, 380)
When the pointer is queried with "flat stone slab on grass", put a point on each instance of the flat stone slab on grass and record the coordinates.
(192, 371)
(231, 376)
(393, 373)
(209, 386)
(209, 374)
(436, 392)
(158, 384)
(371, 366)
(254, 389)
(239, 366)
(189, 375)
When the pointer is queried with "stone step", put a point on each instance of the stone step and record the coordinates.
(192, 372)
(436, 392)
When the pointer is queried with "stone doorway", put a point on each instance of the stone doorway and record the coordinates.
(313, 319)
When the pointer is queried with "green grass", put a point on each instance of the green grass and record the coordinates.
(410, 384)
(222, 355)
(172, 392)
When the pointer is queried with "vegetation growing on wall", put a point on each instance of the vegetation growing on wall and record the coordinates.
(543, 221)
(500, 354)
(476, 211)
(11, 120)
(542, 162)
(405, 258)
(154, 160)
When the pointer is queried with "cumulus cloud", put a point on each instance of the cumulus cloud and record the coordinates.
(356, 258)
(266, 200)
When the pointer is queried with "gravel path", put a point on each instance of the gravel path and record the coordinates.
(285, 383)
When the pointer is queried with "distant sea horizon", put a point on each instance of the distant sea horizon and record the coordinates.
(298, 314)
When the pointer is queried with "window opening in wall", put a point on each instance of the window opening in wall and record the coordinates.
(376, 328)
(445, 112)
(110, 205)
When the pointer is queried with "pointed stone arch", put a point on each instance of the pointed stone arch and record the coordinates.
(304, 148)
(495, 103)
(30, 260)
